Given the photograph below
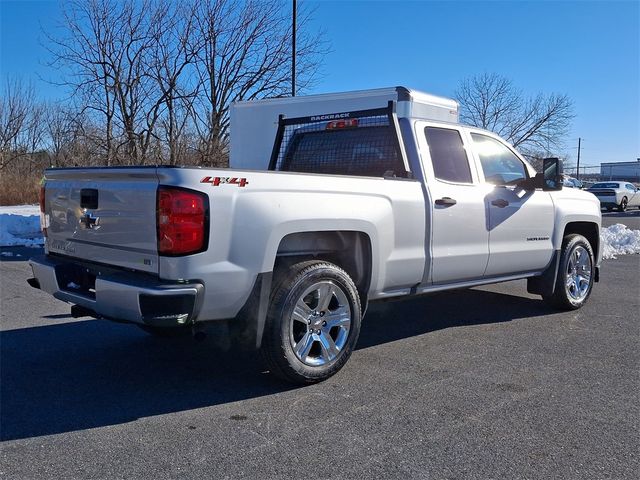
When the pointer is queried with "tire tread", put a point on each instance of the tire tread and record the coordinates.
(272, 350)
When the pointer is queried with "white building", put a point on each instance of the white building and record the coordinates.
(629, 171)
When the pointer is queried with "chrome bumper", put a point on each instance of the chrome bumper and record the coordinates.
(116, 295)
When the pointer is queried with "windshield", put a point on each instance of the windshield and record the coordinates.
(605, 185)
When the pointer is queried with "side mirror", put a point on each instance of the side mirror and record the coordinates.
(551, 174)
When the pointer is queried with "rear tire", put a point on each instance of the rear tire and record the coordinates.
(313, 322)
(575, 277)
(623, 204)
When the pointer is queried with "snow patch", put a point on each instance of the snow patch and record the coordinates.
(20, 225)
(619, 240)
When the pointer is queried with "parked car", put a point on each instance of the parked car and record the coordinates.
(571, 182)
(367, 196)
(620, 195)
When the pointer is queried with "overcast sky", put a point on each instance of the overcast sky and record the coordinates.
(589, 50)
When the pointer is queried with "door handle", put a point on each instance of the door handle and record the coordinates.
(500, 203)
(445, 202)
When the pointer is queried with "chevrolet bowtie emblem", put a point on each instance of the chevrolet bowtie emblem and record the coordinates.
(89, 221)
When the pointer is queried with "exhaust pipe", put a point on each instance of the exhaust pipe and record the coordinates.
(34, 282)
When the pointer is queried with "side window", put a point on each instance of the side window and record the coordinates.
(630, 187)
(448, 156)
(500, 165)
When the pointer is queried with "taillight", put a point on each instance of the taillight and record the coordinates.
(44, 220)
(182, 221)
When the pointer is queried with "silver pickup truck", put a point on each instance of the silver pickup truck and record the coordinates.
(352, 206)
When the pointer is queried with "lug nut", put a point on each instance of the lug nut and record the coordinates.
(324, 324)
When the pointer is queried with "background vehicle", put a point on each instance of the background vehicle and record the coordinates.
(571, 182)
(366, 196)
(620, 195)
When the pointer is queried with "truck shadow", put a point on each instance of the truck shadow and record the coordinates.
(87, 374)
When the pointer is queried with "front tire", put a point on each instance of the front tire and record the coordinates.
(574, 281)
(313, 322)
(623, 204)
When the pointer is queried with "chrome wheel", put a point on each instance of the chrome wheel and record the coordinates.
(320, 323)
(578, 274)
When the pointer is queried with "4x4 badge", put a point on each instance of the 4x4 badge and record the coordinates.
(217, 181)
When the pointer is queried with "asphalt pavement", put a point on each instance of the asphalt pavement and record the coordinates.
(480, 383)
(630, 218)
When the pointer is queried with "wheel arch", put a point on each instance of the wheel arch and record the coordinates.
(350, 250)
(589, 230)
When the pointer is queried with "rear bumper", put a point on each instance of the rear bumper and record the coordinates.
(608, 201)
(116, 295)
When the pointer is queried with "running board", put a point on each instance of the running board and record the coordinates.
(475, 283)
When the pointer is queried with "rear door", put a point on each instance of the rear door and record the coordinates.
(459, 235)
(103, 215)
(521, 222)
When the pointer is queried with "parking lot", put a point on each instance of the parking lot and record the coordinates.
(480, 383)
(630, 218)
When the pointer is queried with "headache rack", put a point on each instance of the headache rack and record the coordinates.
(358, 143)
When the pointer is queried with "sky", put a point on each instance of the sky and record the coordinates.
(589, 50)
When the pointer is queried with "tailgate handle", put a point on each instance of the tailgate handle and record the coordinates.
(89, 198)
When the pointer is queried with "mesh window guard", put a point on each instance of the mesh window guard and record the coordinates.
(362, 143)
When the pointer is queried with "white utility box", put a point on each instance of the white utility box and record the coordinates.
(254, 124)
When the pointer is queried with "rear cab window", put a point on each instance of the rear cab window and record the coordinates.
(448, 156)
(364, 143)
(362, 151)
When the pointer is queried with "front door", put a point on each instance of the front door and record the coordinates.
(520, 222)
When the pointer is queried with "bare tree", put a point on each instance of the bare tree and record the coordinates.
(170, 65)
(21, 123)
(491, 101)
(245, 53)
(86, 51)
(536, 158)
(106, 50)
(159, 76)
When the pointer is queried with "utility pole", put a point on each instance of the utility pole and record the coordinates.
(578, 167)
(293, 50)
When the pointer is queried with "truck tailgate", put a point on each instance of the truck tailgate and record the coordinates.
(104, 215)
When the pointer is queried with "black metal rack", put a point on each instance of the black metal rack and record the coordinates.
(362, 142)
